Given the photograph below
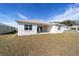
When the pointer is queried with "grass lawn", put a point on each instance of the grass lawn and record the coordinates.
(40, 45)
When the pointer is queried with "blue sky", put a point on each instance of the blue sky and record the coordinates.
(32, 11)
(11, 12)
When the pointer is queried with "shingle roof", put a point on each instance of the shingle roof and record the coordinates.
(33, 22)
(36, 22)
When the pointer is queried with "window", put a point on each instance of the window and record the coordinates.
(78, 28)
(73, 28)
(59, 27)
(28, 27)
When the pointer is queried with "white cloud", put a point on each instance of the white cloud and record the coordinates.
(5, 18)
(11, 21)
(22, 16)
(8, 20)
(71, 13)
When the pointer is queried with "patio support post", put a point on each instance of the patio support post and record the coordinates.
(76, 28)
(43, 28)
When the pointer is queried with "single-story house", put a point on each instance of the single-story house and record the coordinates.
(74, 28)
(29, 27)
(5, 29)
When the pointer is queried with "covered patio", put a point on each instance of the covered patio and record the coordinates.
(42, 28)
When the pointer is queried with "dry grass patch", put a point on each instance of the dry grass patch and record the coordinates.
(45, 44)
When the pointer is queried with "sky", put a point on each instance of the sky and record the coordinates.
(48, 12)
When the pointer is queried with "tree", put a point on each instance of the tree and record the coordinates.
(68, 22)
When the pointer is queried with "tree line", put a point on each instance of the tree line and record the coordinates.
(68, 22)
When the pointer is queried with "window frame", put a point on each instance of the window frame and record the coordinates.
(26, 28)
(78, 28)
(59, 27)
(73, 28)
(29, 27)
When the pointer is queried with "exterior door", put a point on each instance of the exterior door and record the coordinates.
(39, 29)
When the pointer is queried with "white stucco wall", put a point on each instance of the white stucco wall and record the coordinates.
(22, 32)
(66, 28)
(50, 29)
(59, 31)
(54, 29)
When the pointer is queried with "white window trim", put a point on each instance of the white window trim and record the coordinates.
(28, 27)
